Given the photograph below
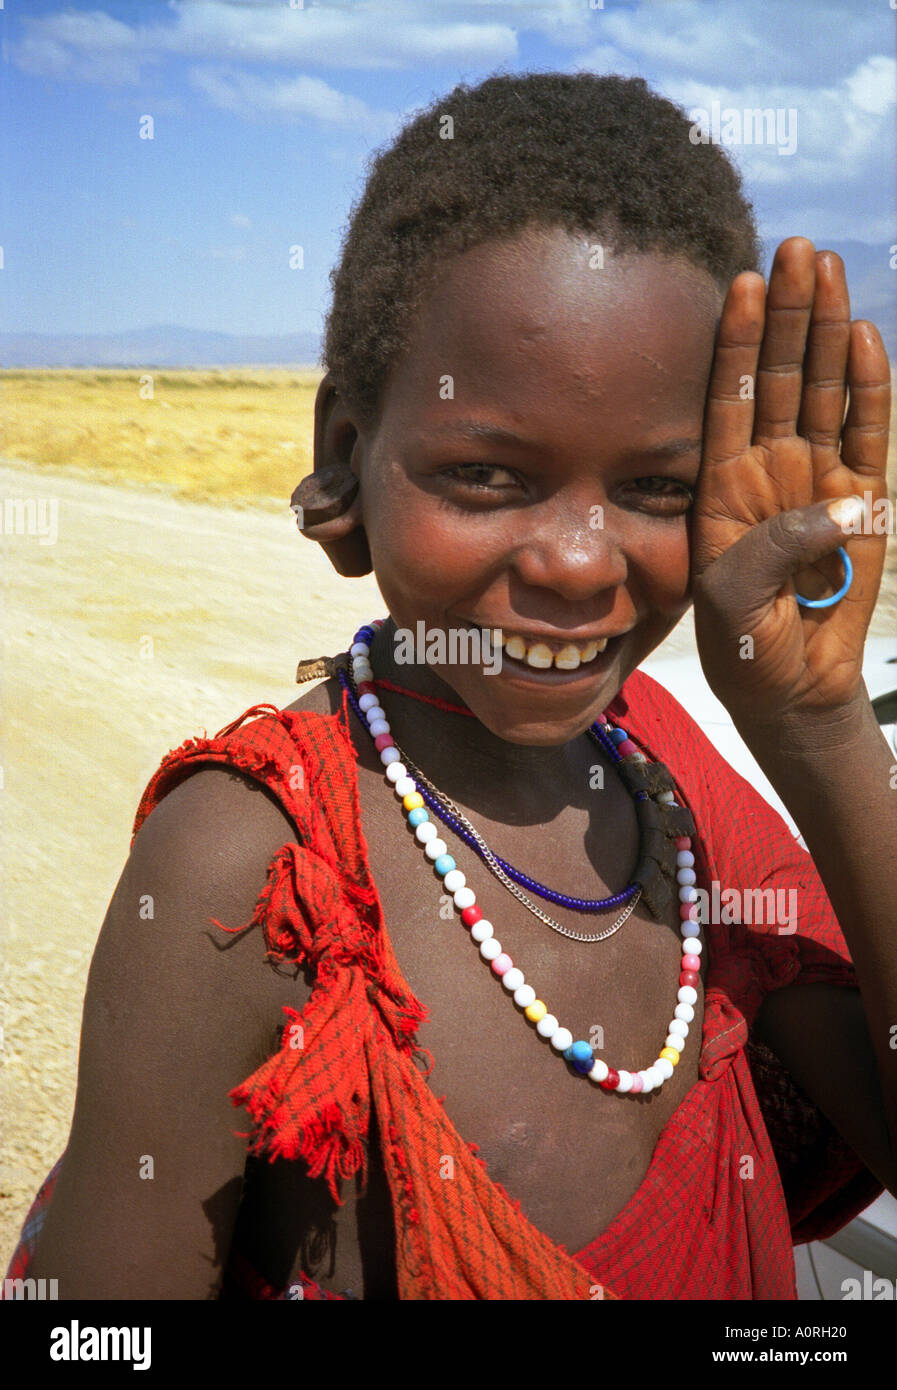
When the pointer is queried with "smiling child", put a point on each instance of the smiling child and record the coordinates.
(562, 406)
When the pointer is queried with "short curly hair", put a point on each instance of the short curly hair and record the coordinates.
(602, 155)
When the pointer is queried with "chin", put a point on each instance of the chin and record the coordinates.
(531, 728)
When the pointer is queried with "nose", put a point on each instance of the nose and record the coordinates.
(574, 554)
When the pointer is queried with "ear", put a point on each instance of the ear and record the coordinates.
(327, 503)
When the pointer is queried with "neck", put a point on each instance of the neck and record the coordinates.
(457, 750)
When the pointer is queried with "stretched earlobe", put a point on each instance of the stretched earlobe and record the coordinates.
(323, 496)
(326, 510)
(326, 503)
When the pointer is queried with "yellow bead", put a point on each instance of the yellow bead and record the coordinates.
(536, 1011)
(412, 800)
(670, 1053)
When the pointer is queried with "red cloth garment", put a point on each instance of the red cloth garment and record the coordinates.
(745, 1167)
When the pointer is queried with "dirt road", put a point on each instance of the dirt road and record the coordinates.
(147, 621)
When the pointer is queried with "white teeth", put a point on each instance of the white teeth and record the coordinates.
(568, 658)
(539, 655)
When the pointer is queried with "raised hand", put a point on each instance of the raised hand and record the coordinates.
(777, 450)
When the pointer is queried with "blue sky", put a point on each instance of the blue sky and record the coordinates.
(264, 113)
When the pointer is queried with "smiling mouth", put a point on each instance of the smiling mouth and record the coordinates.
(536, 654)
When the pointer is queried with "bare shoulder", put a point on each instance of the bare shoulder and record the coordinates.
(235, 817)
(214, 835)
(218, 822)
(175, 1017)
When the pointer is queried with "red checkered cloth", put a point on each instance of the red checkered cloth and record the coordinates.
(746, 1166)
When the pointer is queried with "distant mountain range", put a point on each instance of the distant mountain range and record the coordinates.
(872, 283)
(164, 345)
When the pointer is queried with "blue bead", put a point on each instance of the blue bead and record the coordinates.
(568, 1054)
(443, 864)
(583, 1067)
(618, 735)
(419, 814)
(581, 1052)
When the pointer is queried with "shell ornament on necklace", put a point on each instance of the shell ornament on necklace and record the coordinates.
(659, 816)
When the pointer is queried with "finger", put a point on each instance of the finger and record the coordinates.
(752, 573)
(729, 413)
(825, 364)
(789, 303)
(864, 445)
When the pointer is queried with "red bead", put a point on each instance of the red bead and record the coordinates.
(683, 841)
(470, 915)
(367, 688)
(691, 963)
(384, 741)
(689, 977)
(611, 1081)
(627, 748)
(688, 912)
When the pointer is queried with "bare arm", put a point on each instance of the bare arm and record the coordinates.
(839, 1043)
(841, 1080)
(812, 432)
(148, 1192)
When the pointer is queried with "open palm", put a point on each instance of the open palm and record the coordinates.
(775, 440)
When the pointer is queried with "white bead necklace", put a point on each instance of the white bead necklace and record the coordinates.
(579, 1053)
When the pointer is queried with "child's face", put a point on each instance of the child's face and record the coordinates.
(582, 529)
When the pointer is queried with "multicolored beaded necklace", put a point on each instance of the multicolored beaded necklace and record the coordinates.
(664, 825)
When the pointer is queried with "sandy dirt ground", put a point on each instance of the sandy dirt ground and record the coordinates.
(230, 600)
(149, 621)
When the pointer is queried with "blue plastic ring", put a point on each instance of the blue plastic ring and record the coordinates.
(835, 598)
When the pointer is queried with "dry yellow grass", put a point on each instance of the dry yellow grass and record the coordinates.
(234, 435)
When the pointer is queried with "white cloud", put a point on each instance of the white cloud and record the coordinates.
(873, 87)
(321, 35)
(841, 129)
(729, 42)
(299, 98)
(725, 40)
(827, 59)
(239, 219)
(88, 47)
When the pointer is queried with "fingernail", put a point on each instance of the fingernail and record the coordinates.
(847, 511)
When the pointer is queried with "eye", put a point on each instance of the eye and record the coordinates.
(668, 496)
(465, 474)
(659, 495)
